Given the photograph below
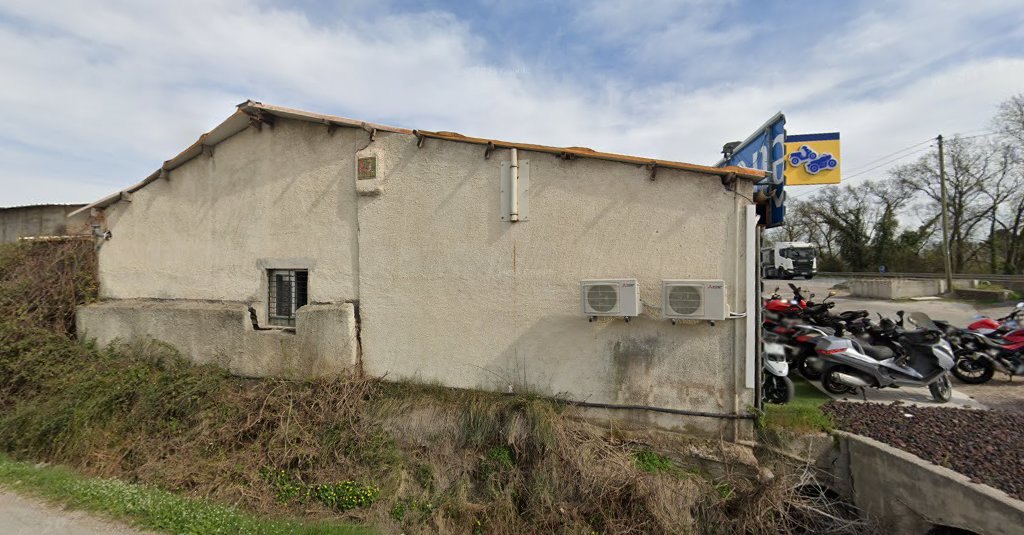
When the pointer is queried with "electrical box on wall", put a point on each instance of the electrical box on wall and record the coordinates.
(693, 299)
(610, 297)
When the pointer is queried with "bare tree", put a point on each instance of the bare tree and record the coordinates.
(1008, 214)
(858, 224)
(970, 172)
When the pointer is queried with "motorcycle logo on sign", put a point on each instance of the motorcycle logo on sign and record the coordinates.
(811, 160)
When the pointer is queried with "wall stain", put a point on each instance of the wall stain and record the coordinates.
(633, 360)
(639, 372)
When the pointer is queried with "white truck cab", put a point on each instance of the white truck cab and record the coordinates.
(788, 259)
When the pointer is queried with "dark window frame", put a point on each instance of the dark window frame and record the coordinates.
(287, 291)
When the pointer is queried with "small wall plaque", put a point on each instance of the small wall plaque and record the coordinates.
(367, 168)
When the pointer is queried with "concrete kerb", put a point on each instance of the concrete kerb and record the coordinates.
(910, 495)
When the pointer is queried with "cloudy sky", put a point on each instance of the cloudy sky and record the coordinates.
(95, 95)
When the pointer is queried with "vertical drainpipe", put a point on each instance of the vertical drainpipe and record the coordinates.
(752, 291)
(514, 215)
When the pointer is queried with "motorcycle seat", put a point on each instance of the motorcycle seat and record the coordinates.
(850, 315)
(878, 352)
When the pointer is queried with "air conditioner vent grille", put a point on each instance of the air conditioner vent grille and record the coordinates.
(684, 300)
(693, 299)
(610, 298)
(602, 297)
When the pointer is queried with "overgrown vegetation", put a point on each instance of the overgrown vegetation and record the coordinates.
(401, 457)
(42, 282)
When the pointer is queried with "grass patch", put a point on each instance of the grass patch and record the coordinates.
(651, 462)
(149, 507)
(801, 415)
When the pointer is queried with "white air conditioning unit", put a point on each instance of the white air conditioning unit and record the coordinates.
(693, 299)
(610, 297)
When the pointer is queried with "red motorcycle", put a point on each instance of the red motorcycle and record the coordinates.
(793, 306)
(1003, 324)
(988, 346)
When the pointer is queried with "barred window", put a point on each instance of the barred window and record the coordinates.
(288, 292)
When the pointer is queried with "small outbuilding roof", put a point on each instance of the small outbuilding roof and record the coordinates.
(253, 113)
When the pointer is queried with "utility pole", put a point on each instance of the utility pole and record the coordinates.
(945, 221)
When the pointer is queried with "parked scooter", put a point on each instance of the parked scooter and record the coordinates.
(918, 357)
(776, 386)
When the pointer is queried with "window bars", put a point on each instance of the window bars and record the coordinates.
(287, 292)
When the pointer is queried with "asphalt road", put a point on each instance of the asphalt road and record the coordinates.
(24, 516)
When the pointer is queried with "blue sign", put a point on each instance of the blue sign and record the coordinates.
(765, 150)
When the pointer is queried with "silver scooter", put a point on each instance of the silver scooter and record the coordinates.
(920, 357)
(776, 386)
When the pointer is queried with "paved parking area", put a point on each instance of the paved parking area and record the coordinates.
(913, 396)
(1000, 393)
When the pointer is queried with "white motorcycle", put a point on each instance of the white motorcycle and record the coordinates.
(776, 387)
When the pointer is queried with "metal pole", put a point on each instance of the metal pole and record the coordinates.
(945, 221)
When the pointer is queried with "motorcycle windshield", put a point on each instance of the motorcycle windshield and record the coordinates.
(923, 321)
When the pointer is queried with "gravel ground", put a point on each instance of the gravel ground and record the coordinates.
(987, 446)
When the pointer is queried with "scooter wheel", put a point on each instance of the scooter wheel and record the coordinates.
(831, 384)
(941, 389)
(973, 371)
(807, 371)
(778, 390)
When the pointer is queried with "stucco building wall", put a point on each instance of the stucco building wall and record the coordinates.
(439, 288)
(40, 220)
(281, 197)
(450, 293)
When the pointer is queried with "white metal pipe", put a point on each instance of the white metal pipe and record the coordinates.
(514, 216)
(753, 290)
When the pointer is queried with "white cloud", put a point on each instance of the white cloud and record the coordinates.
(97, 96)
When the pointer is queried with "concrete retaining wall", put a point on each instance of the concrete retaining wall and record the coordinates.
(909, 495)
(222, 333)
(896, 288)
(41, 220)
(972, 294)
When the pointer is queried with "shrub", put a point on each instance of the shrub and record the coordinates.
(41, 283)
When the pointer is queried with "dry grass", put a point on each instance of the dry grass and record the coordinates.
(444, 460)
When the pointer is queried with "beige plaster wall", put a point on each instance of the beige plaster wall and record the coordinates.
(450, 293)
(281, 197)
(446, 291)
(324, 342)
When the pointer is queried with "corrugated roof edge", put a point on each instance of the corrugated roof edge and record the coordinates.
(43, 205)
(251, 111)
(583, 152)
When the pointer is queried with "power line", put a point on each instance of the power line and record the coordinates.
(885, 163)
(989, 133)
(889, 161)
(929, 140)
(893, 158)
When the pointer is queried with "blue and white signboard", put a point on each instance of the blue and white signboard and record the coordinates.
(765, 150)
